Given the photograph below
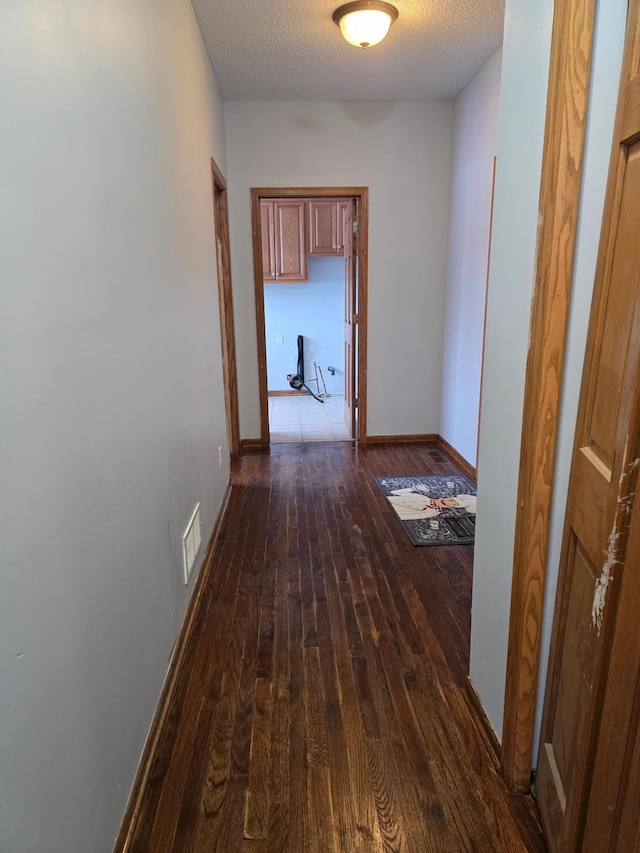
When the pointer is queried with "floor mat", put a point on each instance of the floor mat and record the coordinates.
(433, 510)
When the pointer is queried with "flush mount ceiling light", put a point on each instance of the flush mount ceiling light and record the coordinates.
(364, 24)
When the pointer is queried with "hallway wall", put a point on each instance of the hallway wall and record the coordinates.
(112, 394)
(475, 139)
(401, 150)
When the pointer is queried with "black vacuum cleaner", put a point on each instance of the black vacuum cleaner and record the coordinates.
(297, 382)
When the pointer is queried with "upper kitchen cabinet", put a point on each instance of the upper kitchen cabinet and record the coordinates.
(284, 256)
(325, 217)
(268, 241)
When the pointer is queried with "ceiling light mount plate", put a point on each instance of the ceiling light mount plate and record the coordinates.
(364, 23)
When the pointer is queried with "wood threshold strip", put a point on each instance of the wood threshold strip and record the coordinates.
(568, 92)
(252, 444)
(150, 749)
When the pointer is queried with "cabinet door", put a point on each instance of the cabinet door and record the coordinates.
(268, 241)
(343, 211)
(323, 226)
(326, 225)
(290, 248)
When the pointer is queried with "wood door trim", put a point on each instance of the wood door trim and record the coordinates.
(362, 211)
(361, 194)
(571, 49)
(225, 297)
(309, 192)
(258, 279)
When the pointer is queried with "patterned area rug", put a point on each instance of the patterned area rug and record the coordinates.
(433, 510)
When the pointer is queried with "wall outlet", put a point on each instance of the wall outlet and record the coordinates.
(279, 337)
(220, 456)
(191, 543)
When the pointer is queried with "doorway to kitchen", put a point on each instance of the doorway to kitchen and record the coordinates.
(310, 271)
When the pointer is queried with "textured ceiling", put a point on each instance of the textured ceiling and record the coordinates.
(292, 50)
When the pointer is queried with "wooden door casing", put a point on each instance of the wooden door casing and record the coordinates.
(349, 323)
(347, 195)
(577, 785)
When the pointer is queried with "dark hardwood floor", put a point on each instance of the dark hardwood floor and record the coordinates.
(321, 705)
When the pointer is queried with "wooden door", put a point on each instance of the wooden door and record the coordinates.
(225, 300)
(350, 322)
(290, 245)
(587, 739)
(267, 234)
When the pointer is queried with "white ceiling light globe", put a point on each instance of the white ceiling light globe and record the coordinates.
(366, 27)
(364, 24)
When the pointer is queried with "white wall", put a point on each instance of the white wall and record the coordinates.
(112, 393)
(401, 151)
(475, 137)
(313, 309)
(521, 125)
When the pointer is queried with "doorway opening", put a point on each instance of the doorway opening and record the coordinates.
(310, 273)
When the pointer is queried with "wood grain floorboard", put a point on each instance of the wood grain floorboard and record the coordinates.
(320, 706)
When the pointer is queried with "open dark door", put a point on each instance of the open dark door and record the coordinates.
(588, 763)
(350, 323)
(225, 299)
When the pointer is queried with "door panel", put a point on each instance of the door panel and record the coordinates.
(344, 208)
(267, 235)
(619, 319)
(587, 517)
(291, 256)
(599, 510)
(629, 832)
(323, 214)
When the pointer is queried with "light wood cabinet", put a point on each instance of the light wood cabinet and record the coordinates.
(325, 219)
(268, 241)
(284, 254)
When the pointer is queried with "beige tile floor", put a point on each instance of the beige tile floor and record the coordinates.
(301, 418)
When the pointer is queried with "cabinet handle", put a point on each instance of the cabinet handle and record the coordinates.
(339, 246)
